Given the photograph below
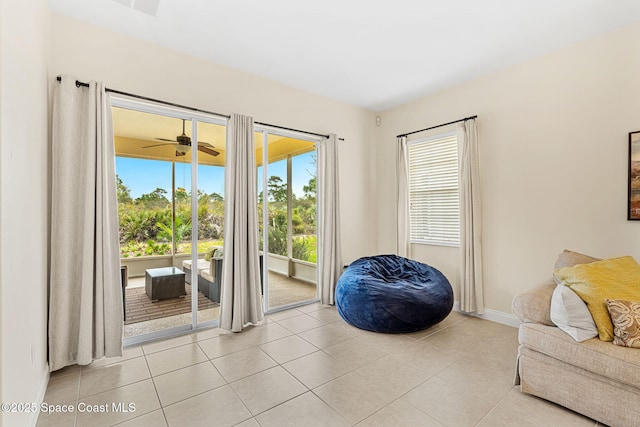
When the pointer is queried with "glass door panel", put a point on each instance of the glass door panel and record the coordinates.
(290, 223)
(210, 202)
(153, 179)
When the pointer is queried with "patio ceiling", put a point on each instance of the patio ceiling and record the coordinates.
(135, 130)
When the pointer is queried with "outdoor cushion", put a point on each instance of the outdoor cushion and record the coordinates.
(388, 293)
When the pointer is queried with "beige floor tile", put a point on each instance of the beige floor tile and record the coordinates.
(265, 333)
(306, 410)
(301, 323)
(281, 315)
(428, 358)
(393, 375)
(354, 352)
(152, 419)
(166, 344)
(62, 390)
(219, 407)
(476, 333)
(175, 358)
(244, 363)
(328, 335)
(457, 336)
(251, 422)
(312, 307)
(56, 419)
(225, 344)
(423, 333)
(353, 397)
(519, 409)
(489, 382)
(187, 382)
(316, 369)
(386, 342)
(127, 353)
(267, 389)
(399, 414)
(287, 349)
(98, 380)
(67, 370)
(326, 315)
(453, 318)
(449, 404)
(141, 394)
(206, 334)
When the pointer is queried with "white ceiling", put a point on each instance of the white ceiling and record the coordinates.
(372, 53)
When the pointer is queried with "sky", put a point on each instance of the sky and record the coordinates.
(144, 176)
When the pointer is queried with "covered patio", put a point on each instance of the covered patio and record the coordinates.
(145, 316)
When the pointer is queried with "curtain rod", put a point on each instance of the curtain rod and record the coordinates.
(437, 126)
(79, 83)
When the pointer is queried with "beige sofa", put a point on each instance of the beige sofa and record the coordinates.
(593, 377)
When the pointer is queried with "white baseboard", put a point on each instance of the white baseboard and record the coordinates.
(44, 383)
(496, 316)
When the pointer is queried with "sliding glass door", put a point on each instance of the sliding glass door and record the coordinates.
(170, 179)
(287, 211)
(171, 216)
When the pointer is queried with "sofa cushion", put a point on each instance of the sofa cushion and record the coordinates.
(615, 278)
(625, 316)
(603, 358)
(571, 314)
(534, 305)
(569, 258)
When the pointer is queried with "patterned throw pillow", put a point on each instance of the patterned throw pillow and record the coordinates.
(625, 316)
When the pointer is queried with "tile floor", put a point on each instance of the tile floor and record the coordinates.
(307, 367)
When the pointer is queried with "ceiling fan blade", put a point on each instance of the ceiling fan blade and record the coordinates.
(160, 145)
(165, 139)
(179, 153)
(206, 144)
(208, 150)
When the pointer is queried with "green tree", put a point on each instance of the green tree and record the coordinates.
(277, 189)
(124, 192)
(156, 199)
(310, 189)
(182, 195)
(216, 197)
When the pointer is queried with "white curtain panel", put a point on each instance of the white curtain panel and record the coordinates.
(403, 233)
(471, 294)
(85, 302)
(329, 251)
(241, 296)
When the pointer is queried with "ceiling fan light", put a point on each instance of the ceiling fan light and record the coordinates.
(184, 149)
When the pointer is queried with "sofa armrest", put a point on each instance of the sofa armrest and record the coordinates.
(534, 305)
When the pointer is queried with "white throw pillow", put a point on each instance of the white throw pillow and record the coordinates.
(570, 313)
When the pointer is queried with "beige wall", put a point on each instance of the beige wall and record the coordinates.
(135, 66)
(553, 138)
(23, 205)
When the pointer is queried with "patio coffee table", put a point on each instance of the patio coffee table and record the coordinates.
(163, 283)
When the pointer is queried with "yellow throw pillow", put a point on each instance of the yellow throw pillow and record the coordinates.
(615, 278)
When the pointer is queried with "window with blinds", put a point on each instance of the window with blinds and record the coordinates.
(433, 190)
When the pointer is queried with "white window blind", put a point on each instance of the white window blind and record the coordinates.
(433, 190)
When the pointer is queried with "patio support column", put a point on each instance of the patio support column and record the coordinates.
(173, 212)
(289, 217)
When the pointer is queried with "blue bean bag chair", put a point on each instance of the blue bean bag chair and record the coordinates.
(392, 294)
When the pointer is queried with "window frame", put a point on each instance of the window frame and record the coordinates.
(433, 241)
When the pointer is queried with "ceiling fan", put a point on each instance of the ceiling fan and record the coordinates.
(183, 142)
